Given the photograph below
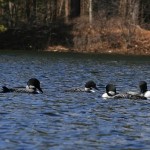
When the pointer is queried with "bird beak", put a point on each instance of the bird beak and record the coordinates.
(40, 90)
(92, 91)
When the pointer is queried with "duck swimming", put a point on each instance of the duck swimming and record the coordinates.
(143, 89)
(111, 93)
(90, 86)
(33, 86)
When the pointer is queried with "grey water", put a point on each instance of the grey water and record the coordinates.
(59, 120)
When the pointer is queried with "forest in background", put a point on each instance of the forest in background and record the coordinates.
(101, 26)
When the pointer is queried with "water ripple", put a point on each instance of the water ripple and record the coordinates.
(59, 120)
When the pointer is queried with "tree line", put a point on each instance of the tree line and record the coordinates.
(78, 24)
(17, 12)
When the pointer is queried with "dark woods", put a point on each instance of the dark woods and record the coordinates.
(35, 37)
(33, 24)
(75, 24)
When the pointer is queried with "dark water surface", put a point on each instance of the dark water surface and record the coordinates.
(57, 120)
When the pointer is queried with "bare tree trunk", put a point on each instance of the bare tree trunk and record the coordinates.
(84, 7)
(34, 11)
(135, 11)
(28, 11)
(55, 9)
(129, 10)
(60, 7)
(90, 11)
(47, 11)
(10, 6)
(16, 12)
(1, 9)
(66, 10)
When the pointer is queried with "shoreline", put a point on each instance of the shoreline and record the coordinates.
(108, 56)
(112, 39)
(62, 49)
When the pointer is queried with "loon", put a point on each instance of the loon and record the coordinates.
(111, 93)
(143, 89)
(90, 86)
(33, 86)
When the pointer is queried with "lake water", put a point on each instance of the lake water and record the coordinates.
(59, 120)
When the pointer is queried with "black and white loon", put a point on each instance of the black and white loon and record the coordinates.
(33, 86)
(111, 93)
(143, 89)
(90, 86)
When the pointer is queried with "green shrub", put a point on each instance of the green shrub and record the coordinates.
(2, 28)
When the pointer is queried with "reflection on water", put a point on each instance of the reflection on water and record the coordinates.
(59, 120)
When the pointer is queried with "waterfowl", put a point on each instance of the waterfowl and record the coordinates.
(90, 86)
(111, 93)
(33, 86)
(143, 89)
